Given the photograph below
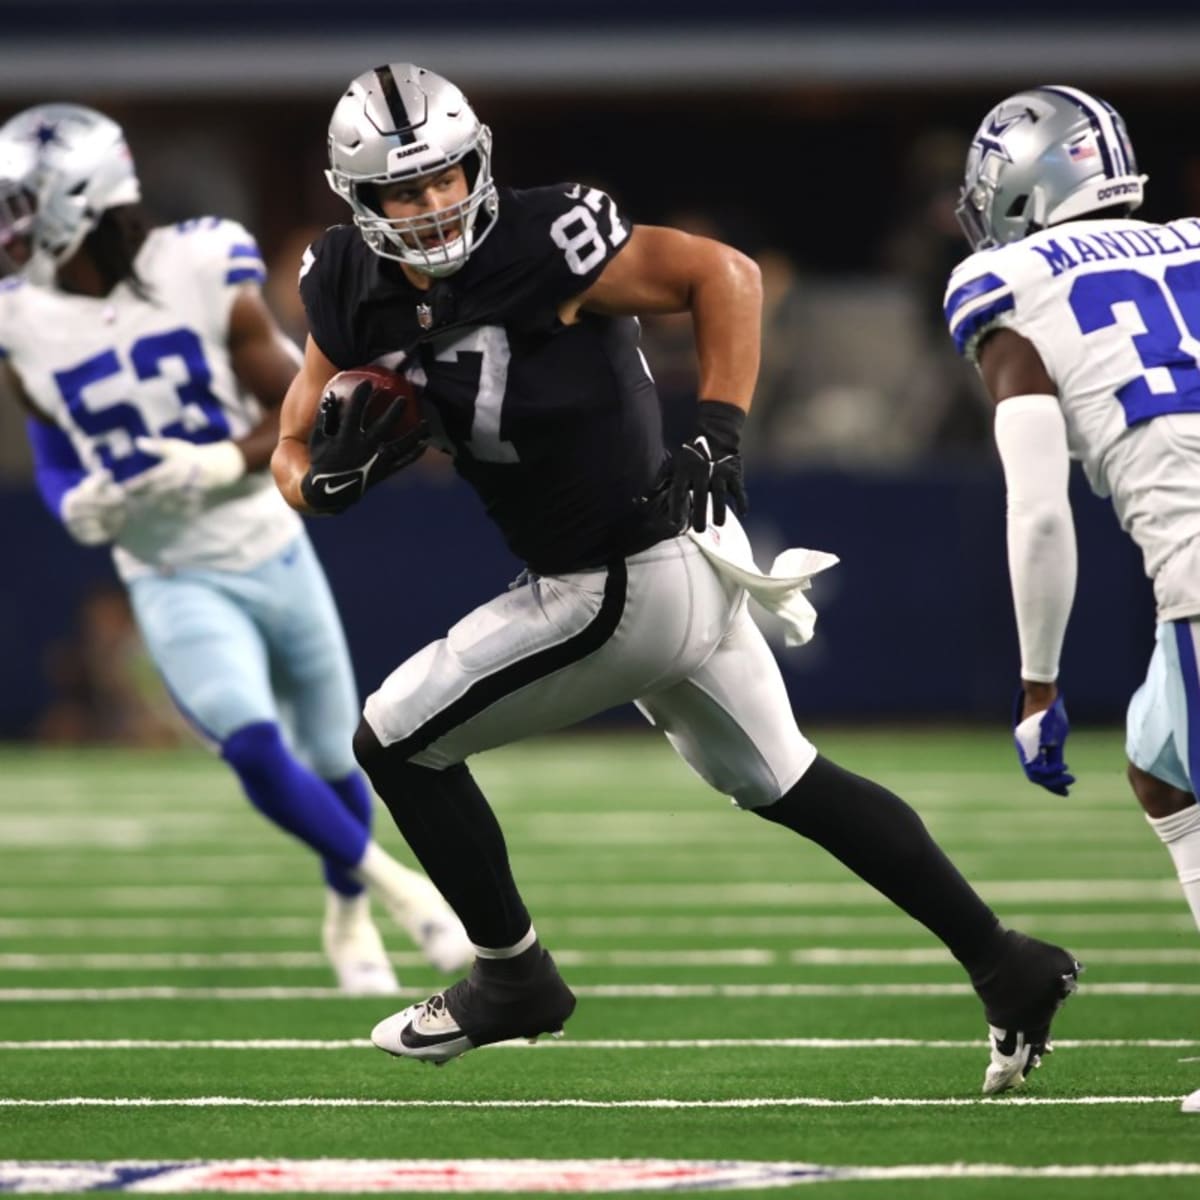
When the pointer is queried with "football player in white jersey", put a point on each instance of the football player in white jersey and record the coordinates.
(153, 371)
(1085, 325)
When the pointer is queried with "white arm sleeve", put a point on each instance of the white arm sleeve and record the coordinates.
(1032, 437)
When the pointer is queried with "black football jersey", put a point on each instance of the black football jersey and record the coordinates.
(557, 427)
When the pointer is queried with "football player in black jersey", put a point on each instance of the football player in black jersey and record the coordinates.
(515, 313)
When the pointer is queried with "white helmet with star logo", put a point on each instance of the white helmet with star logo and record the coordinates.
(79, 167)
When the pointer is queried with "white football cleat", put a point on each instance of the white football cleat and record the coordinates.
(1022, 991)
(1191, 1103)
(1012, 1059)
(424, 1031)
(442, 938)
(354, 948)
(417, 907)
(478, 1011)
(431, 923)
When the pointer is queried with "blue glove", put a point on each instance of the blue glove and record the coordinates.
(1039, 740)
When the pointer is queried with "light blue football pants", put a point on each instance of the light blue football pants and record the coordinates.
(1163, 724)
(239, 648)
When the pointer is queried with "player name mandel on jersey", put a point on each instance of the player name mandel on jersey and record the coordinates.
(1073, 250)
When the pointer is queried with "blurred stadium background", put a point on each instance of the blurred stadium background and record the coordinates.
(826, 139)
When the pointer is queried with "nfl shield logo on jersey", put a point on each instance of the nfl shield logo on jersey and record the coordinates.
(425, 316)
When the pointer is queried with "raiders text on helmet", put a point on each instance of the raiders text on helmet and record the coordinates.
(399, 123)
(76, 166)
(1041, 157)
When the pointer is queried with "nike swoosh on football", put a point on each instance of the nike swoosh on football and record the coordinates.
(341, 487)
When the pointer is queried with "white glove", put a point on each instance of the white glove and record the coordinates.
(187, 467)
(93, 511)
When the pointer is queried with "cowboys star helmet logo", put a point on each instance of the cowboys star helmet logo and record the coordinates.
(988, 139)
(46, 134)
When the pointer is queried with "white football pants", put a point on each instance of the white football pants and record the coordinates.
(661, 628)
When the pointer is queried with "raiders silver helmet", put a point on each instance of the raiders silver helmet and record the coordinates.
(400, 123)
(1041, 157)
(80, 166)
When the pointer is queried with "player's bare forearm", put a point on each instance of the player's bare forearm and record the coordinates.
(297, 415)
(289, 463)
(290, 460)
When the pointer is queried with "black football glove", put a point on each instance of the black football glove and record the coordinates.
(347, 456)
(708, 466)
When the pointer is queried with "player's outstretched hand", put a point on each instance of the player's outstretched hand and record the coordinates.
(708, 467)
(93, 511)
(1039, 739)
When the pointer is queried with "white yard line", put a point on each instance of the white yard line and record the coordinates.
(616, 991)
(177, 928)
(266, 926)
(266, 1044)
(662, 1102)
(651, 896)
(747, 956)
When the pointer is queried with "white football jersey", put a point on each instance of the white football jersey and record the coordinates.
(1113, 308)
(108, 370)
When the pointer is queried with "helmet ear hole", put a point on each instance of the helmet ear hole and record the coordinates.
(1017, 207)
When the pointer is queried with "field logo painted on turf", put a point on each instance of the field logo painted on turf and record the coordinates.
(382, 1175)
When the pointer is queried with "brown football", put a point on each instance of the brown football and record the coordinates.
(386, 387)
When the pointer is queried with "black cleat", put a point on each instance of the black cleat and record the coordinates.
(476, 1012)
(1021, 992)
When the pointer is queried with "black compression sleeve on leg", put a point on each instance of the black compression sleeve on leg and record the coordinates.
(450, 827)
(884, 842)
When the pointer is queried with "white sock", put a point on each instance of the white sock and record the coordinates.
(508, 951)
(399, 886)
(339, 908)
(1180, 833)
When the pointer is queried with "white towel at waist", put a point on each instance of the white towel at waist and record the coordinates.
(781, 590)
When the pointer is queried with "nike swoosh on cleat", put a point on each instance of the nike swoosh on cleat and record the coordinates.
(418, 1041)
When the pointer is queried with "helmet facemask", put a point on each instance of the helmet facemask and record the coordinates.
(18, 207)
(400, 124)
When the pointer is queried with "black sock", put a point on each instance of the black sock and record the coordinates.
(450, 827)
(883, 841)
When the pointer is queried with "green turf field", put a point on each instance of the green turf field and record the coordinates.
(159, 943)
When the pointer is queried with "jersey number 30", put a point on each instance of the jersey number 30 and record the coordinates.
(1171, 380)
